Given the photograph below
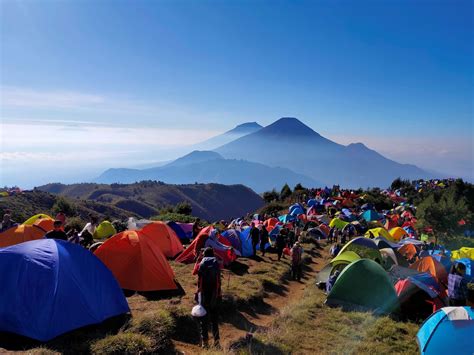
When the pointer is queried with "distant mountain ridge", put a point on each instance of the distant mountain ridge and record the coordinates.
(263, 158)
(208, 166)
(145, 199)
(290, 143)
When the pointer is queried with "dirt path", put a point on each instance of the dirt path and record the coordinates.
(260, 317)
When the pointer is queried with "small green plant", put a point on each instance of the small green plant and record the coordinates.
(123, 343)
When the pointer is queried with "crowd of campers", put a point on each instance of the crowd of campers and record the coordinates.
(380, 262)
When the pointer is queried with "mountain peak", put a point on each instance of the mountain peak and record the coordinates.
(357, 146)
(247, 127)
(290, 126)
(196, 156)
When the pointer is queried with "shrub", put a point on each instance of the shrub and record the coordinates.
(285, 192)
(176, 217)
(184, 208)
(123, 343)
(65, 206)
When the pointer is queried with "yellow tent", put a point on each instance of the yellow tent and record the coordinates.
(464, 252)
(30, 221)
(380, 232)
(338, 223)
(104, 230)
(398, 233)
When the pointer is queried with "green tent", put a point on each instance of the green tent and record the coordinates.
(104, 230)
(338, 223)
(338, 263)
(364, 248)
(364, 285)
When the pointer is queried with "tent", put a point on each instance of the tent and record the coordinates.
(55, 287)
(26, 232)
(246, 242)
(233, 236)
(338, 223)
(409, 251)
(166, 238)
(394, 256)
(380, 232)
(363, 247)
(464, 252)
(104, 230)
(184, 231)
(336, 264)
(137, 262)
(444, 260)
(30, 221)
(370, 215)
(419, 296)
(398, 233)
(383, 243)
(190, 254)
(296, 210)
(448, 331)
(364, 285)
(432, 266)
(287, 218)
(270, 223)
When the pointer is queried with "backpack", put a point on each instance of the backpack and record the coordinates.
(209, 281)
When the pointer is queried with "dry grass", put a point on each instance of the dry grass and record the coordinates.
(310, 327)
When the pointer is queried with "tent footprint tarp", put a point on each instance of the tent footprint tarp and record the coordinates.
(364, 285)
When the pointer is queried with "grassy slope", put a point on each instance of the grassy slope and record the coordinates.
(209, 201)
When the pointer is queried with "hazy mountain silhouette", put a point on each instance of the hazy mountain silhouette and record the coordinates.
(224, 138)
(207, 166)
(290, 143)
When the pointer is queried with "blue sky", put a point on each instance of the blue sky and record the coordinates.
(396, 75)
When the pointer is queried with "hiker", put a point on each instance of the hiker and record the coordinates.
(296, 261)
(331, 281)
(196, 227)
(61, 217)
(264, 239)
(291, 238)
(209, 288)
(331, 234)
(335, 249)
(7, 222)
(87, 233)
(255, 237)
(281, 242)
(57, 232)
(457, 285)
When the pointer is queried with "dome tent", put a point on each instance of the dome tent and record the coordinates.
(448, 331)
(364, 247)
(137, 262)
(169, 242)
(38, 296)
(26, 232)
(364, 285)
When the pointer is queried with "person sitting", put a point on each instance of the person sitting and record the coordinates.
(457, 285)
(87, 234)
(57, 232)
(331, 281)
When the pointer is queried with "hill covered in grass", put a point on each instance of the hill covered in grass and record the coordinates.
(145, 199)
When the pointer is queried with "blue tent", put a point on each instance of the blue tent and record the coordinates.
(246, 242)
(448, 331)
(370, 215)
(233, 236)
(311, 202)
(287, 218)
(180, 232)
(296, 209)
(55, 287)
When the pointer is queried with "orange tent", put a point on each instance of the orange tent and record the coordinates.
(137, 262)
(24, 233)
(271, 223)
(169, 242)
(432, 266)
(408, 251)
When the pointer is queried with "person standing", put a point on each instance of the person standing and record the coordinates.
(281, 242)
(209, 288)
(196, 227)
(296, 261)
(264, 239)
(255, 237)
(457, 285)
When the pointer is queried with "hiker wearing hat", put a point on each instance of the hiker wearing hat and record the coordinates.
(296, 261)
(209, 292)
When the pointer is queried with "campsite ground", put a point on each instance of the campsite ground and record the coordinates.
(283, 316)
